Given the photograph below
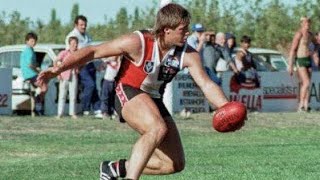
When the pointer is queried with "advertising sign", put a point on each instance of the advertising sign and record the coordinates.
(5, 91)
(183, 93)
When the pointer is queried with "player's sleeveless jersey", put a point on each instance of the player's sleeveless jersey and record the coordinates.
(151, 74)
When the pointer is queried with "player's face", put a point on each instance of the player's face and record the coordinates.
(179, 35)
(81, 26)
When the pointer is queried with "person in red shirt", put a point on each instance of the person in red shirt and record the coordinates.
(150, 60)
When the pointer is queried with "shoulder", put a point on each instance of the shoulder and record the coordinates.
(191, 56)
(132, 39)
(298, 34)
(74, 32)
(28, 50)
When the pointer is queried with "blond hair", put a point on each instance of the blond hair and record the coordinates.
(305, 18)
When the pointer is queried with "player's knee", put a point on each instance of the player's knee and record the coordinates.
(156, 130)
(175, 166)
(305, 83)
(160, 129)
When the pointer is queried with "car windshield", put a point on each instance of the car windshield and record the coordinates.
(278, 62)
(262, 65)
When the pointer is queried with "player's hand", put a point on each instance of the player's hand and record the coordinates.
(45, 76)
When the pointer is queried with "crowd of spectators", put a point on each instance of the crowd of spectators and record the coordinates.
(217, 52)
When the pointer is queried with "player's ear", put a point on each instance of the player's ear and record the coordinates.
(166, 30)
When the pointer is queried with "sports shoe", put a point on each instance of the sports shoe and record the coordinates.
(86, 113)
(111, 170)
(98, 115)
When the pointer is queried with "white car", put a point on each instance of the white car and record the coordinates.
(10, 58)
(272, 57)
(264, 59)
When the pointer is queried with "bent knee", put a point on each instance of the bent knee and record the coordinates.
(159, 130)
(174, 166)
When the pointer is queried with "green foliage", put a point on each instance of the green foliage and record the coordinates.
(271, 24)
(74, 13)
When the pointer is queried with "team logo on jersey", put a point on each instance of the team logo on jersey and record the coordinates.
(172, 62)
(169, 69)
(148, 66)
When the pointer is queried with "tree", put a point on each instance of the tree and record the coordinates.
(16, 29)
(74, 12)
(137, 22)
(53, 32)
(122, 21)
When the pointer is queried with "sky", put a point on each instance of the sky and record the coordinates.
(94, 10)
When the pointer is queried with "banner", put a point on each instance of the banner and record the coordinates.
(269, 92)
(183, 93)
(264, 92)
(5, 91)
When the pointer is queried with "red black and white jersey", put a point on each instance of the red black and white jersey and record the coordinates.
(150, 73)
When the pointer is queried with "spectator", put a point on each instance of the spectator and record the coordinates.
(197, 38)
(300, 55)
(89, 97)
(222, 58)
(230, 42)
(212, 52)
(68, 80)
(112, 65)
(245, 64)
(315, 46)
(30, 69)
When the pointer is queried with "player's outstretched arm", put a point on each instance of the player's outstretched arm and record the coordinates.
(128, 45)
(211, 90)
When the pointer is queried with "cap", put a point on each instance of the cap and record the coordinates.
(198, 27)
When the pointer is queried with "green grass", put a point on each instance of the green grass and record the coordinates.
(270, 146)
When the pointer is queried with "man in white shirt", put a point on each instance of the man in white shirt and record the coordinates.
(89, 95)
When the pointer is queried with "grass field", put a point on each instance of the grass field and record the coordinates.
(270, 146)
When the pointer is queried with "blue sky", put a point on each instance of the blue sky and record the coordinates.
(95, 10)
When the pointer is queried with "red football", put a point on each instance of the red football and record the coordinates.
(229, 117)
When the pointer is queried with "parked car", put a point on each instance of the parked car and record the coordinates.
(264, 59)
(272, 57)
(10, 58)
(45, 55)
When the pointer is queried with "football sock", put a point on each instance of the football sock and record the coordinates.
(121, 168)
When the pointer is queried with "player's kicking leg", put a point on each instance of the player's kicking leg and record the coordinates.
(142, 114)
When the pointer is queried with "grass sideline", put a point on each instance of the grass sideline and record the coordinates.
(270, 146)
